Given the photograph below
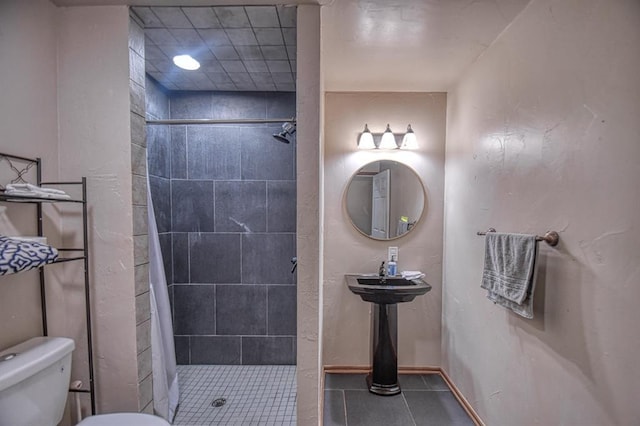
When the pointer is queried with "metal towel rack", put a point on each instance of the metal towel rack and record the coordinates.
(551, 237)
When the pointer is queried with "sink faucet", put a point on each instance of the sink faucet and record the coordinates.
(382, 272)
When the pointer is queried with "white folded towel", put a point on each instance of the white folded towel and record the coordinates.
(411, 275)
(28, 190)
(16, 256)
(30, 187)
(38, 194)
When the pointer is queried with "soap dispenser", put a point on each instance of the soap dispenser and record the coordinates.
(392, 267)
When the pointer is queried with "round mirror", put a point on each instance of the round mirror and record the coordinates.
(385, 199)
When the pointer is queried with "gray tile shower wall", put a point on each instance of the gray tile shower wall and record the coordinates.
(159, 158)
(159, 167)
(161, 196)
(157, 101)
(227, 196)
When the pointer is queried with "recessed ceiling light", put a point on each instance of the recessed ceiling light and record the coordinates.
(186, 62)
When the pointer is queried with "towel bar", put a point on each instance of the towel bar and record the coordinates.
(551, 237)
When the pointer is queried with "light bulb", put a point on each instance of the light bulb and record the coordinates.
(388, 140)
(366, 139)
(186, 62)
(409, 140)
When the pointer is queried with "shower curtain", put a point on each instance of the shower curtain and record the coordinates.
(165, 377)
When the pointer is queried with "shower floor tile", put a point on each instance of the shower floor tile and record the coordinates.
(254, 394)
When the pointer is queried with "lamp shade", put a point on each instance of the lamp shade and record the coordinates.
(366, 139)
(388, 140)
(409, 140)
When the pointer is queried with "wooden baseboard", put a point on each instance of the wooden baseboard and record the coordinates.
(360, 369)
(346, 369)
(419, 370)
(461, 399)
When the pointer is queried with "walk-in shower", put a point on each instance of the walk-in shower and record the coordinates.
(224, 197)
(224, 194)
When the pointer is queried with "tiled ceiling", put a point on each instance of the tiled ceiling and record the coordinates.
(239, 48)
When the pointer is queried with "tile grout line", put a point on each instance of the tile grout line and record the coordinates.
(344, 404)
(406, 404)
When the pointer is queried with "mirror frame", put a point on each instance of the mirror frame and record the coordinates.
(425, 203)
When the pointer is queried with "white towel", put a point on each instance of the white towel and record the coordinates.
(38, 194)
(16, 256)
(28, 190)
(30, 187)
(411, 275)
(509, 269)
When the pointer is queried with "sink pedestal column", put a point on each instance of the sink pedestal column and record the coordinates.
(383, 379)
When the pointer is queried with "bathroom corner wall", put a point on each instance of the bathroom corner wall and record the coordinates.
(347, 319)
(140, 217)
(95, 137)
(309, 108)
(543, 135)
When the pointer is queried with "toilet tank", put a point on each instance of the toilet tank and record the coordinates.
(34, 381)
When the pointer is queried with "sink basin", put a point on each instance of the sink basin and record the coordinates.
(372, 288)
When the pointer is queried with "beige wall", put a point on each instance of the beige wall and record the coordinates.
(408, 45)
(94, 122)
(28, 122)
(346, 326)
(65, 78)
(308, 215)
(543, 133)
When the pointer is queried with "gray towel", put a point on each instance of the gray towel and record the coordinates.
(509, 271)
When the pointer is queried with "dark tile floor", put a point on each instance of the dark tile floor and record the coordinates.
(425, 400)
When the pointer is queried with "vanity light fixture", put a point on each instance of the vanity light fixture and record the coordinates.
(386, 140)
(409, 140)
(186, 62)
(366, 139)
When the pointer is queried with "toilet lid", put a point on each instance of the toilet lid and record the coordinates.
(120, 419)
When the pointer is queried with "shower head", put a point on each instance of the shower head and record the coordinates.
(282, 137)
(288, 129)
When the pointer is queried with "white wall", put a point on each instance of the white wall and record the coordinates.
(95, 141)
(308, 215)
(65, 78)
(408, 45)
(543, 134)
(28, 122)
(347, 319)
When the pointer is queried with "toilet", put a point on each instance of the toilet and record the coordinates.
(34, 381)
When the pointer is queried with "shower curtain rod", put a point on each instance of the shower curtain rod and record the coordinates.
(223, 121)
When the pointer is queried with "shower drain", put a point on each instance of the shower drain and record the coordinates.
(219, 402)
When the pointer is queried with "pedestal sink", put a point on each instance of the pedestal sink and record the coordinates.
(385, 293)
